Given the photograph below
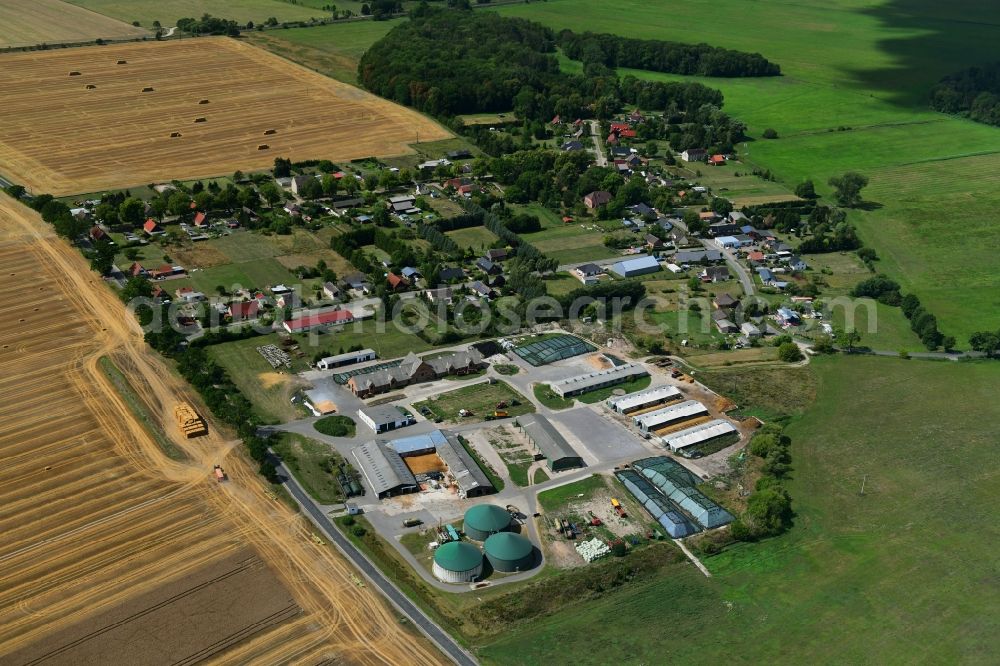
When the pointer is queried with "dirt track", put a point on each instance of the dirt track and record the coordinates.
(58, 136)
(107, 545)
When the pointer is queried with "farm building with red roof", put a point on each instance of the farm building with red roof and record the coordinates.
(318, 320)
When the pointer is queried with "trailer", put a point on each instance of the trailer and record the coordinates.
(619, 509)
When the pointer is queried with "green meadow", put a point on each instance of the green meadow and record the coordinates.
(333, 50)
(900, 574)
(856, 73)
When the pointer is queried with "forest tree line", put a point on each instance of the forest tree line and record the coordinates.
(451, 62)
(661, 56)
(972, 92)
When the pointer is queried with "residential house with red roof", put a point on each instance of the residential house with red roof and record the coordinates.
(243, 310)
(152, 228)
(397, 282)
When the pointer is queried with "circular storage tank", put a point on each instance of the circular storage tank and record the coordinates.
(508, 552)
(457, 562)
(483, 520)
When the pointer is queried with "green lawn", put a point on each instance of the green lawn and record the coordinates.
(478, 238)
(899, 574)
(269, 392)
(544, 394)
(385, 338)
(569, 243)
(744, 189)
(865, 67)
(168, 11)
(333, 49)
(480, 399)
(550, 500)
(311, 463)
(259, 273)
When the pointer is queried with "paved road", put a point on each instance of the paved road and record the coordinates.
(742, 274)
(595, 134)
(372, 573)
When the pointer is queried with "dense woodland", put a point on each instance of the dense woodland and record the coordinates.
(509, 64)
(973, 92)
(660, 56)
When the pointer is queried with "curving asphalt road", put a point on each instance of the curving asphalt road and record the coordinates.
(430, 629)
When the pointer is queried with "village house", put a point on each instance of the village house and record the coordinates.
(331, 291)
(715, 274)
(596, 199)
(189, 295)
(496, 254)
(396, 282)
(694, 155)
(482, 290)
(725, 301)
(152, 228)
(357, 281)
(439, 295)
(488, 266)
(451, 274)
(299, 183)
(289, 301)
(243, 310)
(587, 273)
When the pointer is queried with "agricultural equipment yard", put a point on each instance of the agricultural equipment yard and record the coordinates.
(57, 135)
(105, 537)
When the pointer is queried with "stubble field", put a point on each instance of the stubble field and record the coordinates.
(30, 22)
(110, 549)
(59, 136)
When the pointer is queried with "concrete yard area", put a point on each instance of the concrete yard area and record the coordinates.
(597, 437)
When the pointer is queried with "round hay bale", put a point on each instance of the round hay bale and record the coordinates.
(174, 135)
(148, 89)
(203, 101)
(90, 86)
(268, 132)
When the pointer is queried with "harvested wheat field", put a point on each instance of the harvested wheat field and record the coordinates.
(31, 22)
(113, 553)
(59, 136)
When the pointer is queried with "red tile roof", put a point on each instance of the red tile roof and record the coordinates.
(396, 280)
(321, 319)
(151, 226)
(199, 219)
(244, 310)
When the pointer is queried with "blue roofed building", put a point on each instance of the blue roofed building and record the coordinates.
(637, 266)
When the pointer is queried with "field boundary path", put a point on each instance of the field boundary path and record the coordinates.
(431, 629)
